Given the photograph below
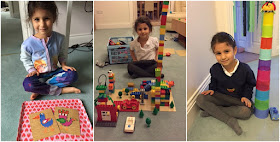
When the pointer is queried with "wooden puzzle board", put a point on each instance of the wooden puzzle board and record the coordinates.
(29, 107)
(147, 106)
(40, 131)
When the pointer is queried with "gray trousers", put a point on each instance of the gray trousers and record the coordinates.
(223, 107)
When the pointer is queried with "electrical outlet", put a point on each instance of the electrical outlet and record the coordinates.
(99, 12)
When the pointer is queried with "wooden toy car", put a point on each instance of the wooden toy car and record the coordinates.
(129, 124)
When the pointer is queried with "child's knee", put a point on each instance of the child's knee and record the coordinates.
(28, 85)
(72, 76)
(200, 99)
(245, 112)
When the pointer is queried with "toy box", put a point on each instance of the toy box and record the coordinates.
(118, 50)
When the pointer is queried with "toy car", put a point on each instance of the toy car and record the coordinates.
(274, 115)
(130, 104)
(129, 124)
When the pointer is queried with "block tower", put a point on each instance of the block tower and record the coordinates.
(263, 78)
(156, 92)
(111, 81)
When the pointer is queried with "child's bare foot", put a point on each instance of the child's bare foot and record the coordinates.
(70, 90)
(33, 96)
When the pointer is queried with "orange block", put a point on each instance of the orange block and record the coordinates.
(266, 43)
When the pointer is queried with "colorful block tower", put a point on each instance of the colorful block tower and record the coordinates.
(156, 92)
(111, 81)
(263, 78)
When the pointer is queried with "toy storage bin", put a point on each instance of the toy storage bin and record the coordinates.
(119, 54)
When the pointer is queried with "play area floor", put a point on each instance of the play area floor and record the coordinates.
(166, 125)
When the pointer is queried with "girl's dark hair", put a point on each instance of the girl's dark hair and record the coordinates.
(45, 5)
(143, 19)
(222, 37)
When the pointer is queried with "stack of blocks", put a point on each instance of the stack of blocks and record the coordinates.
(263, 78)
(111, 82)
(102, 95)
(156, 93)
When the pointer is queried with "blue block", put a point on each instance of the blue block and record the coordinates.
(262, 95)
(262, 114)
(159, 58)
(161, 37)
(163, 13)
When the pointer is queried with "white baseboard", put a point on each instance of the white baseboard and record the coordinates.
(192, 109)
(79, 38)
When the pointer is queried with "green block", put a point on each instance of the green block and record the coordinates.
(111, 77)
(166, 3)
(163, 87)
(267, 31)
(161, 56)
(153, 87)
(162, 26)
(265, 54)
(157, 72)
(261, 105)
(157, 84)
(101, 87)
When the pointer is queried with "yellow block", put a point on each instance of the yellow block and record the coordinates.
(160, 49)
(162, 31)
(159, 61)
(157, 103)
(162, 96)
(166, 101)
(165, 10)
(101, 91)
(157, 93)
(157, 89)
(268, 19)
(161, 41)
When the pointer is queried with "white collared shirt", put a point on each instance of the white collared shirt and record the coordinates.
(231, 73)
(148, 52)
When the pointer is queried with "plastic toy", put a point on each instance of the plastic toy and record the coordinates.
(141, 114)
(274, 115)
(155, 112)
(263, 77)
(128, 105)
(148, 121)
(167, 54)
(120, 94)
(171, 104)
(111, 76)
(126, 91)
(129, 124)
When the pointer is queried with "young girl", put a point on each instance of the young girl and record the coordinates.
(143, 50)
(41, 52)
(232, 82)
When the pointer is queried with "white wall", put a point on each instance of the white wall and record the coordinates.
(81, 21)
(201, 27)
(224, 16)
(114, 14)
(275, 36)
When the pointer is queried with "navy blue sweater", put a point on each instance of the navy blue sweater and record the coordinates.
(239, 85)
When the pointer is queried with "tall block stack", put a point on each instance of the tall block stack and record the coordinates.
(111, 82)
(156, 92)
(263, 77)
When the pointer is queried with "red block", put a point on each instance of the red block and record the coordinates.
(266, 43)
(163, 20)
(161, 44)
(162, 92)
(165, 6)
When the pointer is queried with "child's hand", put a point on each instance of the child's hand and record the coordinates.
(33, 73)
(211, 92)
(65, 68)
(247, 101)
